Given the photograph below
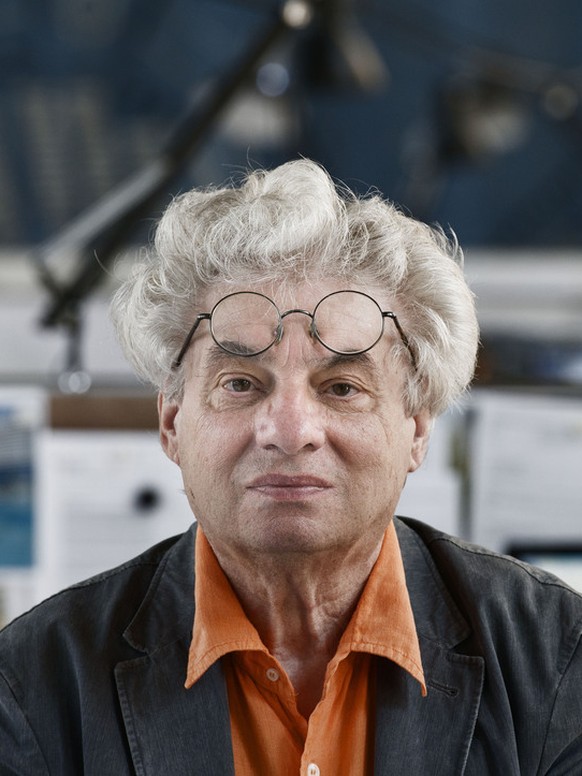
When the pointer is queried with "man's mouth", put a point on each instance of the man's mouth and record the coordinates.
(289, 487)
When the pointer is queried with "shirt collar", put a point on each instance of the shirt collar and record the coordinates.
(382, 624)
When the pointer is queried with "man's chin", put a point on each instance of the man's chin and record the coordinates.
(299, 537)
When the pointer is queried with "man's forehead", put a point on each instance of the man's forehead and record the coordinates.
(291, 294)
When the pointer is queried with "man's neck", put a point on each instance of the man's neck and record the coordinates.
(300, 607)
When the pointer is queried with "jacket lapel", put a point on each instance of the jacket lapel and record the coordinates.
(430, 735)
(171, 729)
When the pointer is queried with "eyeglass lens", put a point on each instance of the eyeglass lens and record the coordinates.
(248, 323)
(245, 323)
(348, 322)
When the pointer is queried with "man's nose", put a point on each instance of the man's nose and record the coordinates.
(290, 419)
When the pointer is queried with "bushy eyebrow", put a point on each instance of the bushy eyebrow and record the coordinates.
(345, 359)
(215, 356)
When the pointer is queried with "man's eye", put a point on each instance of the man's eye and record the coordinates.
(342, 390)
(238, 385)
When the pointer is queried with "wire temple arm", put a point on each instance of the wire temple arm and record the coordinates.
(188, 340)
(403, 336)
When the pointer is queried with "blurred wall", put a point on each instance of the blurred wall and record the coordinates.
(465, 112)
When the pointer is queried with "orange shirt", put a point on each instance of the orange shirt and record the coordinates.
(269, 735)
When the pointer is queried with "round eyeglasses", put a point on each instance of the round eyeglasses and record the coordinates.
(247, 323)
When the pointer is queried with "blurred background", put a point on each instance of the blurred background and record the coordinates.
(467, 113)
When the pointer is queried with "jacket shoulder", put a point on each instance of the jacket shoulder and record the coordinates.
(58, 690)
(91, 606)
(458, 557)
(495, 593)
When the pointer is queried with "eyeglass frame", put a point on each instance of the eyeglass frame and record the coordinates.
(279, 332)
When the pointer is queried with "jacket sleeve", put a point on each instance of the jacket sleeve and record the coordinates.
(562, 753)
(20, 754)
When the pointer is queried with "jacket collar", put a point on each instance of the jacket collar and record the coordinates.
(436, 615)
(433, 734)
(167, 611)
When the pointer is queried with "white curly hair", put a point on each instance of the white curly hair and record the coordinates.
(287, 225)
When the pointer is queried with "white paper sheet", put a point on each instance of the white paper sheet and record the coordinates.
(102, 498)
(526, 469)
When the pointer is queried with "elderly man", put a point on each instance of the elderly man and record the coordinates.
(302, 340)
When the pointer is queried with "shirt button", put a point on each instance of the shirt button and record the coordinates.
(312, 770)
(272, 675)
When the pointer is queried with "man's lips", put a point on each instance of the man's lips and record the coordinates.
(289, 486)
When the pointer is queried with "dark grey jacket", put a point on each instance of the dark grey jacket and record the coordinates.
(92, 681)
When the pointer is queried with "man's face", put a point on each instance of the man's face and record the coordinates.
(296, 450)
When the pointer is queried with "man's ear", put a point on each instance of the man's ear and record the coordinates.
(168, 410)
(423, 423)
